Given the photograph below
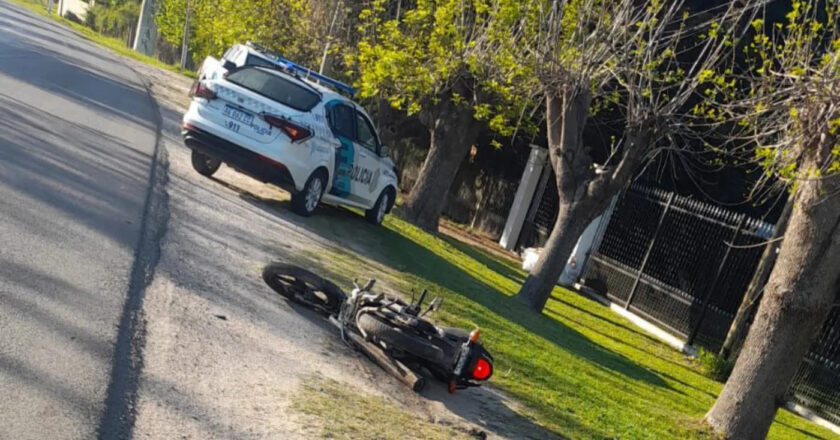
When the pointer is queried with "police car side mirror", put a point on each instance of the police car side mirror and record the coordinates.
(383, 151)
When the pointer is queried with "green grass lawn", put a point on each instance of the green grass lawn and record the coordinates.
(115, 44)
(582, 371)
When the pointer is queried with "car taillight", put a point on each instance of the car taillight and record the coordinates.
(482, 369)
(199, 90)
(294, 131)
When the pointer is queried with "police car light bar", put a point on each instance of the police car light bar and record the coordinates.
(303, 71)
(309, 73)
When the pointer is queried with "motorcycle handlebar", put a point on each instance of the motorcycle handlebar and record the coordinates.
(369, 285)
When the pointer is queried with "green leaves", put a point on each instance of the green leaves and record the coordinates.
(114, 17)
(438, 52)
(786, 103)
(297, 28)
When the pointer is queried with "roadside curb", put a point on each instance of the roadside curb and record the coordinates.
(119, 414)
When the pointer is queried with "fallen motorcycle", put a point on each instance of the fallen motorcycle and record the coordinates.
(394, 334)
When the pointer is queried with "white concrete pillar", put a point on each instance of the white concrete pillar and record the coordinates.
(145, 40)
(524, 196)
(590, 239)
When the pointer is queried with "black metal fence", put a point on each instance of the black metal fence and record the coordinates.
(541, 214)
(686, 265)
(817, 383)
(681, 263)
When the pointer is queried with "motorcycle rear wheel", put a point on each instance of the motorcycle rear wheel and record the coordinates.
(379, 329)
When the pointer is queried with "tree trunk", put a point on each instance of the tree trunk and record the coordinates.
(740, 324)
(453, 132)
(565, 118)
(572, 220)
(797, 300)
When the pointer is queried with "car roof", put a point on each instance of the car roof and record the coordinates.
(327, 94)
(313, 82)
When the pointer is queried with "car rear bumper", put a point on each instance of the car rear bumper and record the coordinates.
(243, 160)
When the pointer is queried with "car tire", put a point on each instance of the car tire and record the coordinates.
(204, 164)
(381, 208)
(305, 201)
(379, 330)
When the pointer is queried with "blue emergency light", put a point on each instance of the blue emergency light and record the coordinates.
(309, 73)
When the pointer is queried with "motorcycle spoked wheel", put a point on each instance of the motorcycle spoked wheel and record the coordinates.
(300, 285)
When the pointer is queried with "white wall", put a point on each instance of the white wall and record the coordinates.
(77, 7)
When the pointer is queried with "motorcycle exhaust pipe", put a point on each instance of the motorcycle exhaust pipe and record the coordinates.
(387, 363)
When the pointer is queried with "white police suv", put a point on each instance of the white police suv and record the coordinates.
(284, 124)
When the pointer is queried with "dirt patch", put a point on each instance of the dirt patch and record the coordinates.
(339, 411)
(483, 242)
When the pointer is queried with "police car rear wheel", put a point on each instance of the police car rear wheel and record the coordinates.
(305, 201)
(204, 164)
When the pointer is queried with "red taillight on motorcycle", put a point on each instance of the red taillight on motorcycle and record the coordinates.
(294, 131)
(482, 369)
(199, 90)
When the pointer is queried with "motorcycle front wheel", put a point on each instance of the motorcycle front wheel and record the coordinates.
(300, 285)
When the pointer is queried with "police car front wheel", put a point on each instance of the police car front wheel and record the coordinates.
(383, 204)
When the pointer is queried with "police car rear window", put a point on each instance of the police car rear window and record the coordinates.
(275, 87)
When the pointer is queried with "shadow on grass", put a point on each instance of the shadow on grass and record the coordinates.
(472, 405)
(410, 257)
(801, 431)
(486, 259)
(398, 250)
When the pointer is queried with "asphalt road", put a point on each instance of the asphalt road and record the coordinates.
(77, 137)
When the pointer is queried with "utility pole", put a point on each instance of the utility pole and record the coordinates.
(186, 43)
(329, 37)
(145, 40)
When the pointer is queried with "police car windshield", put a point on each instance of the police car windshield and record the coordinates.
(275, 87)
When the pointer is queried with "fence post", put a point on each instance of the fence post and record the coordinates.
(529, 190)
(649, 249)
(712, 287)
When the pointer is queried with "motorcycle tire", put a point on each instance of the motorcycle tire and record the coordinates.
(378, 329)
(289, 281)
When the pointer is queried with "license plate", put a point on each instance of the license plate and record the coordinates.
(238, 115)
